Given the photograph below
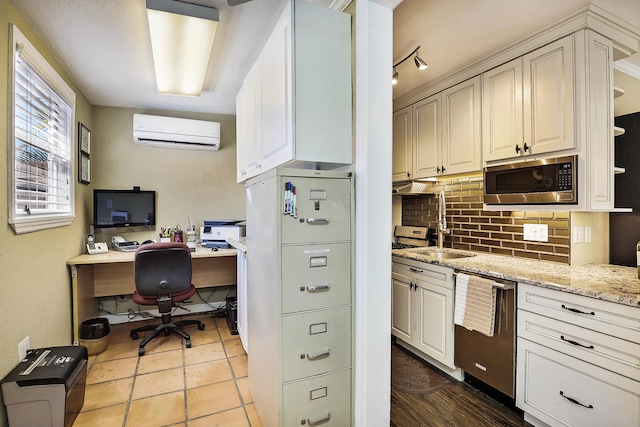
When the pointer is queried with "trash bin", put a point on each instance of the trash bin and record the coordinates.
(94, 334)
(232, 314)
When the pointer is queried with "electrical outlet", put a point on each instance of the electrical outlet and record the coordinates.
(578, 234)
(22, 348)
(536, 232)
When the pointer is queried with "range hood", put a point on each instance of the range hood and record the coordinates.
(412, 188)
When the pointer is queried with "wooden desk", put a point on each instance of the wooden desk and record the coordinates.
(111, 274)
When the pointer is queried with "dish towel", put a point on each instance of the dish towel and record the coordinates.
(475, 304)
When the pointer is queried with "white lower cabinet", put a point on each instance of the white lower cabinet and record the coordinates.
(578, 360)
(564, 391)
(422, 308)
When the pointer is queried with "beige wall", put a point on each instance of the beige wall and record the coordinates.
(35, 284)
(35, 298)
(187, 182)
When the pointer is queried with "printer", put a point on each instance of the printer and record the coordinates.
(214, 234)
(47, 387)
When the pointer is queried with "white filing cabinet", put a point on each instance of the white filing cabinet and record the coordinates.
(300, 293)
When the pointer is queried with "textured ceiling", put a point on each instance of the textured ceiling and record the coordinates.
(104, 44)
(453, 33)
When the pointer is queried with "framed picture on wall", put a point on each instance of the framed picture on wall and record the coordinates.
(84, 154)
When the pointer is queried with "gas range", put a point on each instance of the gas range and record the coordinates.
(413, 237)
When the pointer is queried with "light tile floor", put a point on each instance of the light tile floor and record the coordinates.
(171, 385)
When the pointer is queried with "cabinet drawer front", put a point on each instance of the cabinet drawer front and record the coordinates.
(619, 320)
(324, 213)
(614, 354)
(562, 390)
(316, 342)
(316, 276)
(323, 400)
(430, 273)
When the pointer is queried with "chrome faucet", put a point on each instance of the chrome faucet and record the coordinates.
(442, 220)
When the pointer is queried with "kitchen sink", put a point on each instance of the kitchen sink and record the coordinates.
(442, 254)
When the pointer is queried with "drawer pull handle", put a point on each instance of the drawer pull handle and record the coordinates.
(317, 420)
(317, 355)
(417, 270)
(318, 220)
(575, 310)
(572, 400)
(316, 288)
(590, 347)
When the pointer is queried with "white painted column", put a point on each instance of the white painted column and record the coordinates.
(373, 135)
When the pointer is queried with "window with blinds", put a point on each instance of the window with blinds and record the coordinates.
(43, 116)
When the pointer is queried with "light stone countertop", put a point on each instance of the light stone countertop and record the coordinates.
(602, 281)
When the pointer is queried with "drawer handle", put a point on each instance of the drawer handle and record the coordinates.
(590, 347)
(417, 270)
(315, 288)
(572, 400)
(318, 220)
(575, 310)
(317, 420)
(317, 355)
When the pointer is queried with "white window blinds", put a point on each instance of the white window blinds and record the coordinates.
(43, 141)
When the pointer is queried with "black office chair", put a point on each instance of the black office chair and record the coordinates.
(163, 277)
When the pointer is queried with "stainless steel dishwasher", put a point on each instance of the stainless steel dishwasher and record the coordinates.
(492, 360)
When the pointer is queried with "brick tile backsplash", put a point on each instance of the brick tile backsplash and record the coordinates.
(496, 232)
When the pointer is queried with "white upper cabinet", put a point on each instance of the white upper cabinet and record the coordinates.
(461, 135)
(439, 135)
(402, 145)
(548, 78)
(300, 88)
(427, 159)
(502, 127)
(528, 104)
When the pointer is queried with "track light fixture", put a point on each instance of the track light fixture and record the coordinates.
(420, 63)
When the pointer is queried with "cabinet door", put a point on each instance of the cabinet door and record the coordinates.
(427, 150)
(402, 142)
(435, 322)
(251, 122)
(401, 307)
(461, 129)
(241, 137)
(548, 78)
(277, 142)
(502, 111)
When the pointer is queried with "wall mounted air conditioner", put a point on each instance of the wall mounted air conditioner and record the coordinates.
(172, 132)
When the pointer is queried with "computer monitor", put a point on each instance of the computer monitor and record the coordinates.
(124, 210)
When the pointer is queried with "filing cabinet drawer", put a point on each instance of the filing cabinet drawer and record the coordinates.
(614, 354)
(316, 276)
(315, 342)
(324, 211)
(561, 390)
(324, 400)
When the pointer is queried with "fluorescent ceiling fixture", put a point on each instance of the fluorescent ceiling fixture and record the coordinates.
(181, 39)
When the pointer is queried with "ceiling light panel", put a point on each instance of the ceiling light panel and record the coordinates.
(181, 40)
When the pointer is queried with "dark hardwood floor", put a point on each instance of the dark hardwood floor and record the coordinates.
(458, 405)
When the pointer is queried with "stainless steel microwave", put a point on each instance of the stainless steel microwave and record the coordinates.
(545, 181)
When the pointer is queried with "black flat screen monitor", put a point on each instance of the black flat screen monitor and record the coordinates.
(124, 210)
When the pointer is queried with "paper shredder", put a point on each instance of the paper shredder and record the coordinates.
(47, 387)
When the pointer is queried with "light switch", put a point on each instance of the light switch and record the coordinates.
(578, 234)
